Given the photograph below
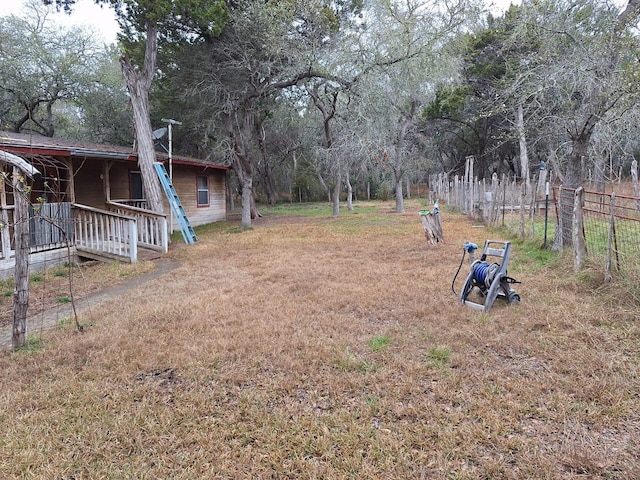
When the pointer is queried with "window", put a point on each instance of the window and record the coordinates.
(203, 190)
(136, 188)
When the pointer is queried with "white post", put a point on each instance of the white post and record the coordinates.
(165, 236)
(171, 122)
(133, 239)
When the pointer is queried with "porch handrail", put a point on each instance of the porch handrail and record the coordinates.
(131, 202)
(152, 226)
(105, 231)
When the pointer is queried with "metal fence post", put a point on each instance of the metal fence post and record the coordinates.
(579, 244)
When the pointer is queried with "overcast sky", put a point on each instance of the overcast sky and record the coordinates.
(102, 20)
(85, 13)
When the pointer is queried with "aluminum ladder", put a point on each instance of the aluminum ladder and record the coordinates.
(176, 206)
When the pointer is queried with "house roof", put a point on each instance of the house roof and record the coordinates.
(29, 145)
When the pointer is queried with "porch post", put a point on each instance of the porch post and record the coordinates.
(133, 239)
(71, 186)
(165, 234)
(106, 181)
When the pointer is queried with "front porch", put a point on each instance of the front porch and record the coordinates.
(64, 232)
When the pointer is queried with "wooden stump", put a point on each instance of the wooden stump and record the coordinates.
(432, 226)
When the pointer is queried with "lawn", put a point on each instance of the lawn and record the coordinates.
(310, 347)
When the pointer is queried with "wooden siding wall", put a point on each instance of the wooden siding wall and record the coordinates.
(90, 190)
(87, 182)
(119, 179)
(184, 181)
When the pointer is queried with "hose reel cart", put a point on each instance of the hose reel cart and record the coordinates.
(490, 279)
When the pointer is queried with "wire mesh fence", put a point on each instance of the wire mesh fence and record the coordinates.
(607, 225)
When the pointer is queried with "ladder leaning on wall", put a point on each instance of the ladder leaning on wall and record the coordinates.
(176, 206)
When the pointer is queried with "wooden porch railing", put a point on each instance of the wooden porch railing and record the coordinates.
(152, 227)
(137, 203)
(105, 233)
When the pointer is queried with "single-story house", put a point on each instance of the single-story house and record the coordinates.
(92, 195)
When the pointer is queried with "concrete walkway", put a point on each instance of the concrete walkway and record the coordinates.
(49, 319)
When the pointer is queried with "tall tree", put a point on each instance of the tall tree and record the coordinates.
(405, 49)
(141, 22)
(579, 72)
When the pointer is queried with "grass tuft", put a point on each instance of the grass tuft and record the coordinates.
(379, 343)
(439, 357)
(36, 277)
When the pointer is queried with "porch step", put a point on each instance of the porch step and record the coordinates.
(143, 254)
(101, 256)
(176, 206)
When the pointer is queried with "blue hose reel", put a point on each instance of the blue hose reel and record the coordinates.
(490, 279)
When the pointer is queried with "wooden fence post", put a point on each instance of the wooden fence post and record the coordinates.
(579, 244)
(532, 212)
(523, 189)
(471, 197)
(21, 240)
(496, 201)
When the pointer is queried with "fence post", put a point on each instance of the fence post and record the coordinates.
(610, 237)
(521, 216)
(447, 187)
(472, 189)
(579, 244)
(532, 212)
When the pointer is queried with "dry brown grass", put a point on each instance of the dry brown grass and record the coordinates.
(256, 359)
(51, 289)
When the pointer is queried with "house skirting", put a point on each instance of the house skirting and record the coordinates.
(40, 261)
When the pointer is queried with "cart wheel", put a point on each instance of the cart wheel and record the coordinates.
(514, 297)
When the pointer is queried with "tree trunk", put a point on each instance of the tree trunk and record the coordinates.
(264, 169)
(598, 174)
(349, 194)
(573, 179)
(247, 192)
(323, 184)
(432, 227)
(240, 131)
(243, 169)
(399, 196)
(524, 155)
(21, 240)
(335, 196)
(138, 84)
